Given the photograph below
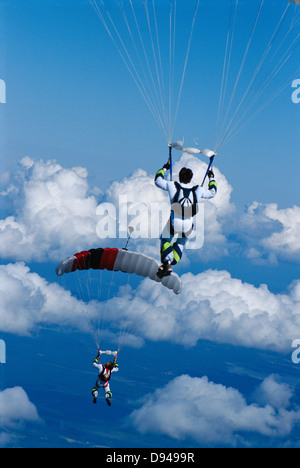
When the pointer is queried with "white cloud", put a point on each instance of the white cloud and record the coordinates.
(210, 413)
(54, 209)
(15, 409)
(270, 234)
(27, 301)
(53, 212)
(15, 406)
(273, 392)
(212, 306)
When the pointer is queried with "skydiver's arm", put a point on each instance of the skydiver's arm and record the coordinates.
(97, 363)
(207, 193)
(115, 368)
(160, 181)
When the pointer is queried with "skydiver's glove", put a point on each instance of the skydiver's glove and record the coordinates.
(167, 166)
(116, 365)
(211, 174)
(213, 185)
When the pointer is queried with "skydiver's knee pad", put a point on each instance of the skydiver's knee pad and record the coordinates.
(95, 391)
(108, 395)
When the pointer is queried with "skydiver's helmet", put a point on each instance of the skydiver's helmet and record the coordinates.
(109, 365)
(185, 175)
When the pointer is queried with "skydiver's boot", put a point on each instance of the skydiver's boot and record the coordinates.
(108, 396)
(95, 395)
(164, 270)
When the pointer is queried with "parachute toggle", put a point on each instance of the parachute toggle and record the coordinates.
(108, 352)
(178, 145)
(119, 260)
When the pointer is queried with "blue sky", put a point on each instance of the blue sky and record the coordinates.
(76, 133)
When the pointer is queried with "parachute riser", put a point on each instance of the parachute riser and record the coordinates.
(108, 352)
(171, 162)
(208, 169)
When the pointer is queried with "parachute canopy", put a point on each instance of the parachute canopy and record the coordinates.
(118, 260)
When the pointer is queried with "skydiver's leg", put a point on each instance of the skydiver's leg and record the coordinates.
(166, 238)
(95, 393)
(178, 248)
(166, 250)
(108, 393)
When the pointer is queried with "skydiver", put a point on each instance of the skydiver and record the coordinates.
(104, 375)
(184, 197)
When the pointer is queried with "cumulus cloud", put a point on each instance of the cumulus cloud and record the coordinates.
(53, 212)
(54, 207)
(28, 300)
(210, 413)
(212, 306)
(270, 234)
(15, 409)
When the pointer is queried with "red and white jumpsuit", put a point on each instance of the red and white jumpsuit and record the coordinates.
(104, 375)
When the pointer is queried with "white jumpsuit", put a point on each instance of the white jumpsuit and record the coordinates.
(104, 381)
(170, 252)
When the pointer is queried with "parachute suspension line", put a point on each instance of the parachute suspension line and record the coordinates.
(291, 27)
(153, 98)
(185, 67)
(103, 319)
(151, 75)
(258, 68)
(162, 88)
(134, 43)
(128, 62)
(83, 291)
(92, 320)
(126, 328)
(157, 61)
(95, 320)
(232, 132)
(172, 48)
(158, 95)
(259, 110)
(227, 61)
(295, 21)
(264, 80)
(219, 144)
